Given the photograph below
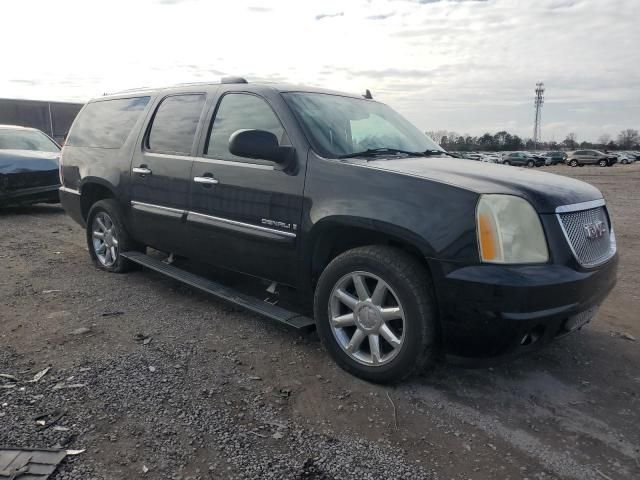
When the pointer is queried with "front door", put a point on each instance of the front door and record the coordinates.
(160, 173)
(244, 213)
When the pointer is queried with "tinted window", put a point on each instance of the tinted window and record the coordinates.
(175, 123)
(26, 140)
(106, 124)
(239, 111)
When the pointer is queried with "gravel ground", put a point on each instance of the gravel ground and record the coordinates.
(151, 375)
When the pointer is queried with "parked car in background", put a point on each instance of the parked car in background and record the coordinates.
(522, 159)
(579, 158)
(554, 158)
(625, 158)
(28, 166)
(490, 158)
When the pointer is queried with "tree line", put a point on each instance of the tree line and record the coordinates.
(628, 139)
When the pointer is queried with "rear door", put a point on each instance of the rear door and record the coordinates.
(244, 213)
(160, 172)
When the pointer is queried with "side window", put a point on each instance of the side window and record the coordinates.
(106, 123)
(238, 111)
(174, 124)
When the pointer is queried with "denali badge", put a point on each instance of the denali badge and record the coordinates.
(595, 229)
(275, 223)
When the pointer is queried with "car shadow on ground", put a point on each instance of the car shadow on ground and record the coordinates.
(40, 208)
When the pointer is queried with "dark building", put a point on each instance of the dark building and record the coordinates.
(53, 118)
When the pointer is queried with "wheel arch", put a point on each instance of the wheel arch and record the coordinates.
(92, 190)
(334, 235)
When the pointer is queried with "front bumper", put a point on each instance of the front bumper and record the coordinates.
(46, 194)
(490, 310)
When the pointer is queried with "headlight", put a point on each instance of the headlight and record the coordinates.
(509, 231)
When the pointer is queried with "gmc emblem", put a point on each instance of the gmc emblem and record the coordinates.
(595, 229)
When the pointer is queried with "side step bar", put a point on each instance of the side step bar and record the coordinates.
(273, 312)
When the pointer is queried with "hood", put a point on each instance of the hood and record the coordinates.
(545, 191)
(22, 161)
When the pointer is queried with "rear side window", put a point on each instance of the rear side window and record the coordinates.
(106, 123)
(238, 111)
(175, 123)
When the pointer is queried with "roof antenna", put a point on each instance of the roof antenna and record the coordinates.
(368, 95)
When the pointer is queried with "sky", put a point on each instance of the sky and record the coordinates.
(468, 66)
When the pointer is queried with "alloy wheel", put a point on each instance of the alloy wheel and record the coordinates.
(104, 239)
(366, 318)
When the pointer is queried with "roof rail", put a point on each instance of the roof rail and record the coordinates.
(128, 90)
(233, 80)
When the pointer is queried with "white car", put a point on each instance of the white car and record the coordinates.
(625, 158)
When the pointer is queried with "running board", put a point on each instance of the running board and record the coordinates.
(273, 312)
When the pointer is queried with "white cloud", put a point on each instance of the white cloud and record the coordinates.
(469, 66)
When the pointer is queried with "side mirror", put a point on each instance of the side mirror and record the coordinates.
(258, 144)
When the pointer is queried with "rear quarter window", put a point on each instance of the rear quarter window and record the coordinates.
(174, 125)
(106, 123)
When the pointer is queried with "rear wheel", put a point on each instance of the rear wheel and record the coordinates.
(531, 164)
(375, 313)
(603, 162)
(107, 237)
(625, 161)
(573, 163)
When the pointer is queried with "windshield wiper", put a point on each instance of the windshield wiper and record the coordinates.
(428, 153)
(372, 152)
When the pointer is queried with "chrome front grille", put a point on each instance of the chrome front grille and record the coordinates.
(588, 232)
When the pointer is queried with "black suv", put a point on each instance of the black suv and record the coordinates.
(403, 251)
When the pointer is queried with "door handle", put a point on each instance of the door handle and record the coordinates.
(141, 170)
(206, 180)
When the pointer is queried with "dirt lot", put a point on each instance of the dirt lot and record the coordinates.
(216, 392)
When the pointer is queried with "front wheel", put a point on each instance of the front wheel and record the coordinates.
(506, 162)
(107, 237)
(375, 314)
(531, 164)
(603, 163)
(573, 163)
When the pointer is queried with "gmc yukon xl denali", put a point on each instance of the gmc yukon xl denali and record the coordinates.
(403, 251)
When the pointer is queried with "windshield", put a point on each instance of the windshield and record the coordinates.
(26, 140)
(341, 126)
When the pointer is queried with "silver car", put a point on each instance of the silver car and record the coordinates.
(590, 157)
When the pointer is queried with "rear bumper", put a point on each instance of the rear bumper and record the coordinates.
(48, 194)
(70, 200)
(490, 310)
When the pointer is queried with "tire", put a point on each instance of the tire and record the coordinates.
(531, 164)
(603, 163)
(409, 292)
(506, 162)
(625, 162)
(573, 163)
(109, 213)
